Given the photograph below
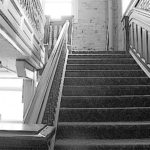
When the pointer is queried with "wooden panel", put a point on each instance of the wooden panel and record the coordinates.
(27, 30)
(14, 12)
(145, 45)
(22, 128)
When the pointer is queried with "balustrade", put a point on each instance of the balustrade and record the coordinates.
(52, 31)
(23, 21)
(34, 12)
(144, 5)
(137, 31)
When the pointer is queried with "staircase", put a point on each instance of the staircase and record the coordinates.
(105, 104)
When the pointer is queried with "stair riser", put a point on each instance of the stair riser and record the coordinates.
(110, 102)
(106, 81)
(102, 147)
(104, 115)
(98, 56)
(102, 61)
(105, 74)
(103, 132)
(105, 91)
(103, 67)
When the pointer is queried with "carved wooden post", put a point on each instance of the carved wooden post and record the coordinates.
(126, 33)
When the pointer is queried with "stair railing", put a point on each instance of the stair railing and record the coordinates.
(23, 22)
(37, 107)
(52, 31)
(137, 30)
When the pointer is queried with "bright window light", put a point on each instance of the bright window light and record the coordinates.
(125, 4)
(58, 8)
(11, 106)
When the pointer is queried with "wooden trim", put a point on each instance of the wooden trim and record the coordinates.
(36, 59)
(140, 62)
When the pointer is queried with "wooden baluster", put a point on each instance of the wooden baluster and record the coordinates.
(148, 39)
(139, 41)
(145, 45)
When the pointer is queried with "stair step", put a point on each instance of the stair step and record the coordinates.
(112, 130)
(98, 52)
(104, 114)
(105, 102)
(105, 73)
(85, 56)
(111, 90)
(103, 67)
(102, 61)
(107, 81)
(95, 144)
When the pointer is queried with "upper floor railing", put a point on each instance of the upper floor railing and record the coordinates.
(34, 12)
(52, 31)
(137, 30)
(23, 21)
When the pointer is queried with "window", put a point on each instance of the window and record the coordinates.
(125, 4)
(58, 8)
(11, 106)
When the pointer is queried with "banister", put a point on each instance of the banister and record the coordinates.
(37, 106)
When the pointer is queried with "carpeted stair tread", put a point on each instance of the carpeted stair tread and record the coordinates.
(106, 90)
(102, 67)
(102, 61)
(96, 130)
(105, 73)
(104, 114)
(106, 81)
(104, 142)
(92, 144)
(105, 101)
(99, 52)
(135, 123)
(85, 56)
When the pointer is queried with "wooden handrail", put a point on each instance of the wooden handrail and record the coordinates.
(37, 107)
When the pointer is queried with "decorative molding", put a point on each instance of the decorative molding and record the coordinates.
(144, 5)
(19, 35)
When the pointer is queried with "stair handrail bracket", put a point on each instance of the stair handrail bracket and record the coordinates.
(36, 111)
(23, 21)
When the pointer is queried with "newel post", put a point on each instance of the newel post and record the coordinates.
(126, 29)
